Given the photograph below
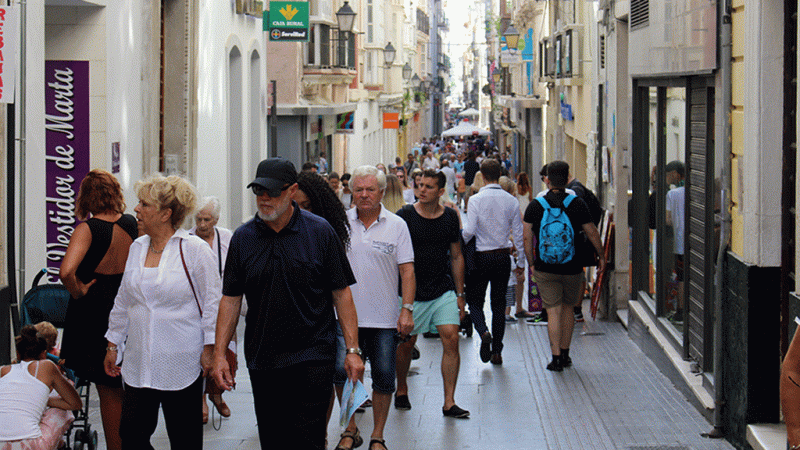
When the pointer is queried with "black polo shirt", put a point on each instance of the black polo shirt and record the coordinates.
(288, 279)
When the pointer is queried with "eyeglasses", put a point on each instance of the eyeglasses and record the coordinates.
(274, 192)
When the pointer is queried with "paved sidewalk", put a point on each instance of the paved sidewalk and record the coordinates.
(612, 398)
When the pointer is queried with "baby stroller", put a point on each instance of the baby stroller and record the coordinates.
(49, 302)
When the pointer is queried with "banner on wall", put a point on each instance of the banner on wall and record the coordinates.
(66, 152)
(8, 50)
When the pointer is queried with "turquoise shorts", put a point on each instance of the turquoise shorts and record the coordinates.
(439, 311)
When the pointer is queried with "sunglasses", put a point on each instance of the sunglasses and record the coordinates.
(275, 192)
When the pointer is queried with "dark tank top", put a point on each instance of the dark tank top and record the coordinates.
(102, 233)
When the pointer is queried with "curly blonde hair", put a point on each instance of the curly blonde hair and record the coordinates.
(173, 192)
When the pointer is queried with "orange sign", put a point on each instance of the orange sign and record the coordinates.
(391, 120)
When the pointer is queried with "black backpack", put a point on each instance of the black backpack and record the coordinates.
(587, 196)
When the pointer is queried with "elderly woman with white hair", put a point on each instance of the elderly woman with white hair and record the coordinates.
(219, 239)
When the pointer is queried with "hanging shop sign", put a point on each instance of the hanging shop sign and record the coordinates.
(8, 46)
(391, 120)
(66, 99)
(288, 21)
(344, 122)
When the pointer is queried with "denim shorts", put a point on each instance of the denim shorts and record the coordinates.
(380, 348)
(439, 311)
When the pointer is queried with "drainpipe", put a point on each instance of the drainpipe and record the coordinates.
(725, 229)
(23, 117)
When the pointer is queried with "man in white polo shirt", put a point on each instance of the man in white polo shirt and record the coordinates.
(380, 246)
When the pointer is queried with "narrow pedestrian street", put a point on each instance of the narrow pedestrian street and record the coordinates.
(613, 397)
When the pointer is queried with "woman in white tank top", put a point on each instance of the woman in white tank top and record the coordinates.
(25, 394)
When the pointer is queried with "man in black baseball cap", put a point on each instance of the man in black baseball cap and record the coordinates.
(294, 271)
(273, 176)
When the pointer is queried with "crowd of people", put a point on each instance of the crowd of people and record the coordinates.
(333, 271)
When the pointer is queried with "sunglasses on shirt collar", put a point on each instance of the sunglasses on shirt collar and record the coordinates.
(274, 192)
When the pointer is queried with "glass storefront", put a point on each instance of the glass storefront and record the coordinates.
(673, 209)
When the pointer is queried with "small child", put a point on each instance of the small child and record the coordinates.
(50, 334)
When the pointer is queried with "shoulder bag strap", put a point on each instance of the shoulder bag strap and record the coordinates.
(191, 285)
(219, 251)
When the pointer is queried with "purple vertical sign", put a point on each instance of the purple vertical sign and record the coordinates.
(66, 99)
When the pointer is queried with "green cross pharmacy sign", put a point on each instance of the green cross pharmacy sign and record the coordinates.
(288, 22)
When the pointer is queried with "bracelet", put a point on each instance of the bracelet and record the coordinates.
(459, 294)
(355, 350)
(111, 349)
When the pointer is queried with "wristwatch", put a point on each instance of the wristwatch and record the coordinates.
(355, 350)
(408, 306)
(459, 294)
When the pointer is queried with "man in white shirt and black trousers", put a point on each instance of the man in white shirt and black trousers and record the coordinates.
(492, 219)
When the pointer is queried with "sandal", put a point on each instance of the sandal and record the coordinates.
(220, 404)
(382, 442)
(354, 436)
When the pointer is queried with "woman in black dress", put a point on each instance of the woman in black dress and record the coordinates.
(91, 271)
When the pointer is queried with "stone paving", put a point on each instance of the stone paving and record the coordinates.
(612, 398)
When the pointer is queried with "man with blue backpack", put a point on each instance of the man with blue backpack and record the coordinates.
(553, 223)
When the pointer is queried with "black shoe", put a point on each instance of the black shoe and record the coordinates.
(566, 361)
(538, 319)
(415, 353)
(555, 366)
(486, 347)
(401, 402)
(455, 412)
(497, 359)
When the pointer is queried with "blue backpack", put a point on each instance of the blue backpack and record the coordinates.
(556, 235)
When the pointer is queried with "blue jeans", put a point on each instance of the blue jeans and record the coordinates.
(494, 268)
(379, 347)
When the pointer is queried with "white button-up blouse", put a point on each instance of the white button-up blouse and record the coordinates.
(156, 316)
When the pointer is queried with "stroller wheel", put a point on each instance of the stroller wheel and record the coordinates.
(79, 440)
(92, 444)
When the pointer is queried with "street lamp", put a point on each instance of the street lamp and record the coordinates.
(512, 36)
(415, 81)
(496, 75)
(345, 16)
(389, 53)
(406, 72)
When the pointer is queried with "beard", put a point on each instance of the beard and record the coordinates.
(275, 214)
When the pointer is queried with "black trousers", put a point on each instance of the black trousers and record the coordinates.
(291, 405)
(183, 416)
(494, 268)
